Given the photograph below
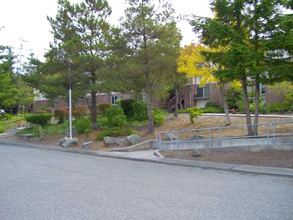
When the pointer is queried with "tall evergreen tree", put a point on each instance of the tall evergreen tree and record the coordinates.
(82, 42)
(248, 27)
(153, 45)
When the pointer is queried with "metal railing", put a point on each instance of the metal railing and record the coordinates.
(210, 136)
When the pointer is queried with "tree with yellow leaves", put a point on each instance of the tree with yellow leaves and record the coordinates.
(193, 62)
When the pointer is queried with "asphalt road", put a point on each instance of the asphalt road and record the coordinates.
(43, 184)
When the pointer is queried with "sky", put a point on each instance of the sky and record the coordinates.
(24, 22)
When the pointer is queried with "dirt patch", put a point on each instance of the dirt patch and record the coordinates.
(267, 157)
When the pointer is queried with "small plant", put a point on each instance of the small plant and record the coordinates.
(158, 116)
(83, 125)
(194, 113)
(115, 132)
(116, 116)
(40, 119)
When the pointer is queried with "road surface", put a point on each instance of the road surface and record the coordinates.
(43, 184)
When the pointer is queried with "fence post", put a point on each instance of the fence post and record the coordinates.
(177, 139)
(268, 132)
(210, 136)
(274, 138)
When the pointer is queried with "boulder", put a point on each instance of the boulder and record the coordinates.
(110, 141)
(133, 139)
(196, 153)
(62, 140)
(69, 142)
(170, 136)
(87, 145)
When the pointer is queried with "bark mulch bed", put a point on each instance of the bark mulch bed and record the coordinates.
(265, 157)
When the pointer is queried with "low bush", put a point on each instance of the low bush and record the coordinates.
(41, 112)
(194, 112)
(60, 114)
(102, 108)
(80, 111)
(83, 125)
(40, 119)
(6, 116)
(212, 110)
(158, 116)
(140, 111)
(116, 116)
(212, 104)
(115, 132)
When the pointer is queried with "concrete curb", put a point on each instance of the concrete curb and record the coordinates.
(197, 164)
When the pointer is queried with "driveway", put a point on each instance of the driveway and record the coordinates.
(43, 184)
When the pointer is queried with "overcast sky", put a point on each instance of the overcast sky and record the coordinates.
(25, 21)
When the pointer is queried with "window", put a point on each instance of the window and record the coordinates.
(203, 92)
(114, 99)
(262, 89)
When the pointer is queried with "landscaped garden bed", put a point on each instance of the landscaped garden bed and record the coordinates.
(240, 156)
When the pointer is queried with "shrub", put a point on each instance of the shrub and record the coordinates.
(128, 107)
(212, 104)
(116, 116)
(1, 129)
(234, 95)
(212, 110)
(194, 113)
(158, 116)
(60, 115)
(83, 125)
(80, 111)
(40, 119)
(140, 111)
(6, 116)
(115, 132)
(41, 112)
(103, 108)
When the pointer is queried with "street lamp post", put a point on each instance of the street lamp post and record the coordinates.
(70, 107)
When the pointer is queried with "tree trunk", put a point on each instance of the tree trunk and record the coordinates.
(225, 104)
(149, 109)
(246, 106)
(93, 110)
(176, 102)
(256, 111)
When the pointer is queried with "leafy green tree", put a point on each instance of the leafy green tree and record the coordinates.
(7, 88)
(153, 45)
(83, 42)
(249, 28)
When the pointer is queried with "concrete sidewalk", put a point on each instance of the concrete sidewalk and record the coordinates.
(150, 156)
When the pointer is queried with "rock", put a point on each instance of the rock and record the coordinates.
(63, 140)
(69, 142)
(87, 145)
(196, 153)
(196, 137)
(133, 139)
(109, 141)
(170, 136)
(121, 142)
